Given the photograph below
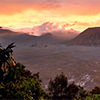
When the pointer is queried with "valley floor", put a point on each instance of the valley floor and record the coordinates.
(80, 64)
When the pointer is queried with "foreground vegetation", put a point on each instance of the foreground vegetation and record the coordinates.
(18, 83)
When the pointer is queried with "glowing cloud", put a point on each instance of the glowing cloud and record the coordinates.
(67, 14)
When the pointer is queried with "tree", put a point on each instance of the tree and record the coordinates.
(96, 90)
(71, 91)
(60, 89)
(82, 93)
(57, 86)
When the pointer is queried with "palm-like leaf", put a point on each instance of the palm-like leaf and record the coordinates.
(5, 53)
(4, 57)
(10, 46)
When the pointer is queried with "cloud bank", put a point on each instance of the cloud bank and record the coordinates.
(54, 29)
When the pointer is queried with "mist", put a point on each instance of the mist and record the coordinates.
(47, 27)
(54, 29)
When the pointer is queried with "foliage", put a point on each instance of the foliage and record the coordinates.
(96, 90)
(16, 86)
(60, 89)
(57, 86)
(18, 83)
(71, 91)
(94, 94)
(81, 93)
(92, 97)
(24, 88)
(5, 54)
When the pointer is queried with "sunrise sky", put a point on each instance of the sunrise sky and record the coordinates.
(46, 15)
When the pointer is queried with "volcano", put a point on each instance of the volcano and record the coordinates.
(89, 37)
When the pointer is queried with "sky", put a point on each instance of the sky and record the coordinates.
(40, 16)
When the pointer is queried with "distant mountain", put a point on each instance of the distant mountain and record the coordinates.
(4, 31)
(22, 39)
(90, 36)
(7, 33)
(47, 35)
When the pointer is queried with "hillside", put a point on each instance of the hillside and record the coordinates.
(89, 37)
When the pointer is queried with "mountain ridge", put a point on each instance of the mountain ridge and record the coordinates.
(24, 39)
